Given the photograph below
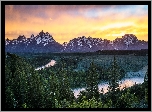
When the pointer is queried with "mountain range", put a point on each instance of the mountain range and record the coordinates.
(44, 42)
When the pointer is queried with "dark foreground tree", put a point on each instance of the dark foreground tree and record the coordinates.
(23, 86)
(92, 82)
(146, 86)
(64, 90)
(114, 75)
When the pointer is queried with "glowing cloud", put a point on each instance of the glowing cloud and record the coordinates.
(72, 21)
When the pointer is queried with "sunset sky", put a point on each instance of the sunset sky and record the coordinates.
(65, 22)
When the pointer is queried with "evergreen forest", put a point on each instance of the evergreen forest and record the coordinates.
(52, 87)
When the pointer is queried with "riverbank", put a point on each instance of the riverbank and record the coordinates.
(131, 79)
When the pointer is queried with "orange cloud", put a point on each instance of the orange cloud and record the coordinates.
(64, 24)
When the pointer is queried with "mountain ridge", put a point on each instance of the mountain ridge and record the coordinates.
(44, 42)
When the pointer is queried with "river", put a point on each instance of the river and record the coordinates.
(131, 78)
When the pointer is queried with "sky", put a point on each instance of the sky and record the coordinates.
(65, 22)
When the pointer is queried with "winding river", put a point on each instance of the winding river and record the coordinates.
(131, 78)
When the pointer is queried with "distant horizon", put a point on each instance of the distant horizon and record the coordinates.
(75, 37)
(65, 22)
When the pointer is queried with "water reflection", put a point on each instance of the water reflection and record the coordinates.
(51, 63)
(131, 79)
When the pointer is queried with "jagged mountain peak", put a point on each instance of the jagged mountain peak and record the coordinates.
(42, 34)
(129, 37)
(42, 38)
(32, 36)
(20, 38)
(64, 44)
(7, 39)
(44, 42)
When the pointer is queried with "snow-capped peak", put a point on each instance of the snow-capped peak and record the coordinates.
(7, 41)
(129, 38)
(32, 36)
(44, 38)
(80, 44)
(65, 44)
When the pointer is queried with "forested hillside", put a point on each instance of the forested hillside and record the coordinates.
(52, 87)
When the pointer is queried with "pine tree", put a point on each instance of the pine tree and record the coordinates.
(92, 82)
(53, 90)
(114, 75)
(16, 81)
(146, 86)
(64, 86)
(23, 84)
